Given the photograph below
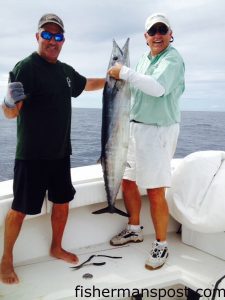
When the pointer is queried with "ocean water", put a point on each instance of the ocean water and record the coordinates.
(199, 131)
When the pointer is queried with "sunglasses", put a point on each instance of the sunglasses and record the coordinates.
(161, 29)
(59, 37)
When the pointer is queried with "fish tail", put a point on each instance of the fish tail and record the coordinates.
(111, 210)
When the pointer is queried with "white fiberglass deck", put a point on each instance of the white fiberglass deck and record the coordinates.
(50, 279)
(44, 278)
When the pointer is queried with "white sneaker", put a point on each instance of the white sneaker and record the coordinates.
(158, 256)
(127, 236)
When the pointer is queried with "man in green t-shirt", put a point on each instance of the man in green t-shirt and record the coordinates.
(156, 86)
(39, 95)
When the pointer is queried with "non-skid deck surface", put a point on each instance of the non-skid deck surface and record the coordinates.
(50, 279)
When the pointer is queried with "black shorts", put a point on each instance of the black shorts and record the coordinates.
(32, 178)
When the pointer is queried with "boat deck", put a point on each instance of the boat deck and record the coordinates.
(46, 278)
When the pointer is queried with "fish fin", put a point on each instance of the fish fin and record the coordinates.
(126, 45)
(128, 165)
(99, 161)
(125, 50)
(111, 210)
(121, 213)
(116, 46)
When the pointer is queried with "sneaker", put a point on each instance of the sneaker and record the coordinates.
(158, 256)
(127, 236)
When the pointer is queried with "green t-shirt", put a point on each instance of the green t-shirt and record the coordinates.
(44, 121)
(168, 69)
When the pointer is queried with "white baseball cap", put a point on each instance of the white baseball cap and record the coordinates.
(156, 18)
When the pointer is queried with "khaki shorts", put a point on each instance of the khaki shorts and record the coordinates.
(151, 149)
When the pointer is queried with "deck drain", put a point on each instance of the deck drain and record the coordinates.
(87, 276)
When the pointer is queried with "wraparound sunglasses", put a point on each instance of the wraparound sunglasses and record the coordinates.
(161, 29)
(46, 35)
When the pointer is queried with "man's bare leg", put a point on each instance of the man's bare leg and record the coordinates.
(59, 219)
(159, 212)
(132, 201)
(13, 224)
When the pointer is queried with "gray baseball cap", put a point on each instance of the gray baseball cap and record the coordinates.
(51, 18)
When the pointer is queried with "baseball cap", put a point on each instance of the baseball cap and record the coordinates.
(156, 18)
(51, 18)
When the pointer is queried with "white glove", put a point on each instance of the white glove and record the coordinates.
(15, 93)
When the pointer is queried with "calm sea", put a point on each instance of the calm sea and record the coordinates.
(199, 131)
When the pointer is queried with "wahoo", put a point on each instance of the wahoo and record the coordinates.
(115, 130)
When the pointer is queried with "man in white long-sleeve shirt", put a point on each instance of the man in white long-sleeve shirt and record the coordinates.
(156, 86)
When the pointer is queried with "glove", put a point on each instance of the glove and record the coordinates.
(15, 93)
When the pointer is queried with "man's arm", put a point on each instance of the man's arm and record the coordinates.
(145, 83)
(94, 84)
(11, 113)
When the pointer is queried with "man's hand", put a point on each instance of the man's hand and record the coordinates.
(115, 71)
(15, 93)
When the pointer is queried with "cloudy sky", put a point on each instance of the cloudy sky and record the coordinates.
(198, 27)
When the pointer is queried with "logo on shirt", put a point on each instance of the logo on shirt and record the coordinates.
(68, 81)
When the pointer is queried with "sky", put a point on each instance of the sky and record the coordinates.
(91, 25)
